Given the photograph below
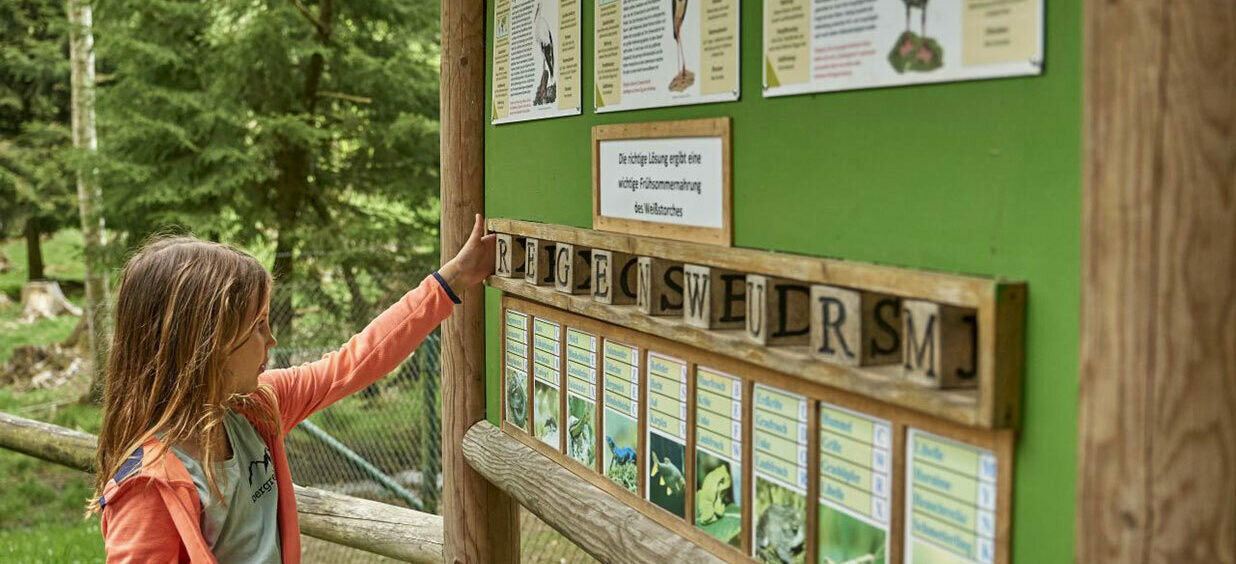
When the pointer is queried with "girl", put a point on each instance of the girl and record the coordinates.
(190, 457)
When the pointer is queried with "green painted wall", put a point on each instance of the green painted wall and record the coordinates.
(976, 177)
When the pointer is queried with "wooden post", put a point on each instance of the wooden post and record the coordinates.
(1157, 425)
(480, 522)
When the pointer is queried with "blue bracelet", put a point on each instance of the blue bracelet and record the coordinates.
(450, 293)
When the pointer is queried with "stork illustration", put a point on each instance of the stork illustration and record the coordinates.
(684, 78)
(922, 6)
(545, 39)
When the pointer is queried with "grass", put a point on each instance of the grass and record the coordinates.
(41, 504)
(43, 331)
(62, 260)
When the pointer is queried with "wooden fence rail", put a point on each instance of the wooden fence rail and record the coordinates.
(395, 532)
(610, 530)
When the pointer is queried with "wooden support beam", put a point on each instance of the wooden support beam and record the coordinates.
(481, 523)
(394, 532)
(1157, 425)
(607, 528)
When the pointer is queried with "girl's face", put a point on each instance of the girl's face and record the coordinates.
(248, 359)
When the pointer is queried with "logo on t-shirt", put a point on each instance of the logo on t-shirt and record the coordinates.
(263, 465)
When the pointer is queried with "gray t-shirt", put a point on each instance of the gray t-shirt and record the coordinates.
(247, 529)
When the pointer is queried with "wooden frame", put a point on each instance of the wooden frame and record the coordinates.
(998, 441)
(710, 127)
(1156, 477)
(480, 522)
(999, 304)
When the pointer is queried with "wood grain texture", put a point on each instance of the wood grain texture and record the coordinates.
(481, 524)
(708, 127)
(606, 528)
(1157, 436)
(395, 532)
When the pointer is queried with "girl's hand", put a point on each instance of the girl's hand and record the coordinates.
(474, 262)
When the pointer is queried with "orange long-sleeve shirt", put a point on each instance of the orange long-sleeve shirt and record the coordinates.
(151, 511)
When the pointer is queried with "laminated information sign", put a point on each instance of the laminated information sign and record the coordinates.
(547, 378)
(825, 45)
(516, 367)
(779, 458)
(536, 59)
(654, 53)
(950, 501)
(718, 455)
(855, 486)
(581, 377)
(667, 433)
(620, 418)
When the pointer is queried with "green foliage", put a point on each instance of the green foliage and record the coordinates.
(35, 143)
(255, 122)
(62, 258)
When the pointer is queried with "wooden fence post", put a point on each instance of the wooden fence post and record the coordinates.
(1157, 426)
(480, 521)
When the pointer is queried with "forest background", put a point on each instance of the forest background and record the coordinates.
(305, 132)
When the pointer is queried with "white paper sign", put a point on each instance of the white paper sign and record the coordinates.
(678, 180)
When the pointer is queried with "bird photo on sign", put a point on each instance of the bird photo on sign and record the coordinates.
(684, 78)
(543, 35)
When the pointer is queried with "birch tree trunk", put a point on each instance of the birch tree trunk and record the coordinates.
(89, 193)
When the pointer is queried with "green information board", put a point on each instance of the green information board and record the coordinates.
(974, 177)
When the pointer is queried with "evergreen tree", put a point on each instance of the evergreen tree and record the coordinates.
(36, 184)
(312, 125)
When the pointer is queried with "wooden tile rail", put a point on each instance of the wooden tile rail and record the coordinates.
(998, 305)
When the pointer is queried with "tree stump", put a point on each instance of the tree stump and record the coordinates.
(43, 299)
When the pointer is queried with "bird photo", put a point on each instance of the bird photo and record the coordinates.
(915, 51)
(543, 34)
(684, 78)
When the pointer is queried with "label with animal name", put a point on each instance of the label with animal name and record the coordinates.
(649, 54)
(547, 329)
(950, 500)
(855, 486)
(581, 372)
(779, 476)
(718, 455)
(667, 433)
(581, 397)
(536, 60)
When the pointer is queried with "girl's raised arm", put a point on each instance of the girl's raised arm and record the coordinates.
(386, 342)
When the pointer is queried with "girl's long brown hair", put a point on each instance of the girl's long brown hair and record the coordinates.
(182, 307)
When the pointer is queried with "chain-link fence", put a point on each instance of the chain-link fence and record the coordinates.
(383, 443)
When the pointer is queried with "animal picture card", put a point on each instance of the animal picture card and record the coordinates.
(546, 387)
(779, 458)
(950, 501)
(667, 433)
(620, 418)
(855, 486)
(515, 367)
(718, 455)
(581, 371)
